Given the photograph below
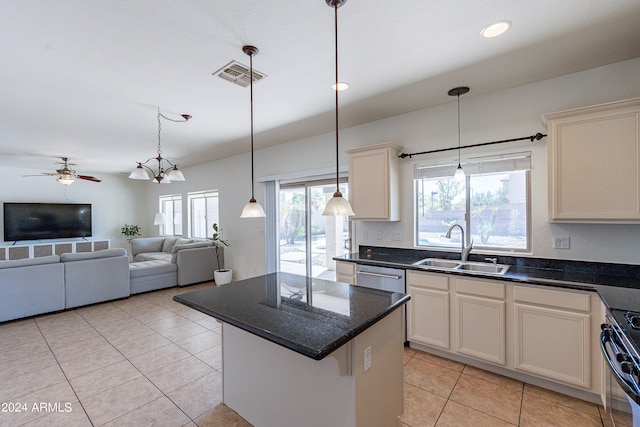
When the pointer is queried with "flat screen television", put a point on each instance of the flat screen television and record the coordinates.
(36, 221)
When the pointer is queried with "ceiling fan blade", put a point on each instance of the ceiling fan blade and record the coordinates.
(44, 174)
(88, 178)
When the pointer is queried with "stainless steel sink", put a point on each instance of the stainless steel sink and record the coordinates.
(483, 267)
(448, 264)
(469, 267)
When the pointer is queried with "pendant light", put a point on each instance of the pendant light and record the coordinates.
(457, 91)
(253, 208)
(338, 205)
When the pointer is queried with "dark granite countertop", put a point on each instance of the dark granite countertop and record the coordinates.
(617, 284)
(277, 307)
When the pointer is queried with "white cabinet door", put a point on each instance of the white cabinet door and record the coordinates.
(553, 343)
(374, 175)
(428, 309)
(481, 328)
(345, 272)
(428, 321)
(594, 163)
(480, 309)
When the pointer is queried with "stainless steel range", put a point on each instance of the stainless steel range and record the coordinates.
(619, 340)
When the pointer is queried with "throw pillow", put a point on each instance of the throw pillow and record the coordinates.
(169, 243)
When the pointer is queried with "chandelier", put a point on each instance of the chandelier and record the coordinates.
(166, 171)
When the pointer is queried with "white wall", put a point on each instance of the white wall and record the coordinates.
(115, 201)
(501, 115)
(506, 114)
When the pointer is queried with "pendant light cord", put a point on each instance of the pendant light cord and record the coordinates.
(251, 99)
(335, 8)
(458, 129)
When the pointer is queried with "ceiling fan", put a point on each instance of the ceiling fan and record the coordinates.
(67, 176)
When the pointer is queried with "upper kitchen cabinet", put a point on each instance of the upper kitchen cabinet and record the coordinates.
(594, 163)
(374, 178)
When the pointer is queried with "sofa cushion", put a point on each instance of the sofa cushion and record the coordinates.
(146, 244)
(81, 256)
(51, 259)
(177, 248)
(169, 243)
(183, 241)
(150, 268)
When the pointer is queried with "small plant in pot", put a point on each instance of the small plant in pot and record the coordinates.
(130, 231)
(222, 275)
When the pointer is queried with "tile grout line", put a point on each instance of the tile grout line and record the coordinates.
(62, 370)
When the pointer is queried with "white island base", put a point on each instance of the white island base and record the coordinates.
(272, 386)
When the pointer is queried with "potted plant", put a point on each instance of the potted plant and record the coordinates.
(130, 231)
(222, 275)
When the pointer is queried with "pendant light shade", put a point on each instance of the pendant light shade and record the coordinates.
(253, 208)
(338, 205)
(457, 91)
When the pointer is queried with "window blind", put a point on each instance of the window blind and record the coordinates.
(474, 166)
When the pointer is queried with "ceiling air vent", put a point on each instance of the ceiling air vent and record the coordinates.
(238, 73)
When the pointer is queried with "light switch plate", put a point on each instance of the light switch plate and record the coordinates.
(367, 358)
(561, 242)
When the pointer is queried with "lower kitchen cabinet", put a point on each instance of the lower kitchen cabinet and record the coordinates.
(346, 272)
(525, 331)
(553, 334)
(480, 320)
(428, 313)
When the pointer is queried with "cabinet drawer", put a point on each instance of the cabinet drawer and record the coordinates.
(480, 288)
(552, 298)
(346, 268)
(426, 280)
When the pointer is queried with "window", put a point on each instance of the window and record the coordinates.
(203, 213)
(171, 207)
(492, 202)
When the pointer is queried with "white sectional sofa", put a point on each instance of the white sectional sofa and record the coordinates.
(31, 286)
(195, 259)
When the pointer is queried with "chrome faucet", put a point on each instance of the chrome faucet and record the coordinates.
(464, 250)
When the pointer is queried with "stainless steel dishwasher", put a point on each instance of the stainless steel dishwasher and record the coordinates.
(386, 279)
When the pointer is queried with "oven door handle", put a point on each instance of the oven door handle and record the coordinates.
(630, 388)
(386, 276)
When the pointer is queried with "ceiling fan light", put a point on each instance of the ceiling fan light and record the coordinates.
(253, 209)
(338, 206)
(139, 173)
(66, 180)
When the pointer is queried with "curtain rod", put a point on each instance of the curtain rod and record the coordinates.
(538, 136)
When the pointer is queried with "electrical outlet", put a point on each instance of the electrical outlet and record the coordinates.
(395, 236)
(379, 234)
(561, 242)
(367, 358)
(365, 235)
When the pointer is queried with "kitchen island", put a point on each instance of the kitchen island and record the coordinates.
(304, 351)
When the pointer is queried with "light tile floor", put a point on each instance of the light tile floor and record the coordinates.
(149, 361)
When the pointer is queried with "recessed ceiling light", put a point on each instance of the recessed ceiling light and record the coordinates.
(496, 29)
(341, 86)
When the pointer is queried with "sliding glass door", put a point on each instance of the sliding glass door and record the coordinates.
(309, 240)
